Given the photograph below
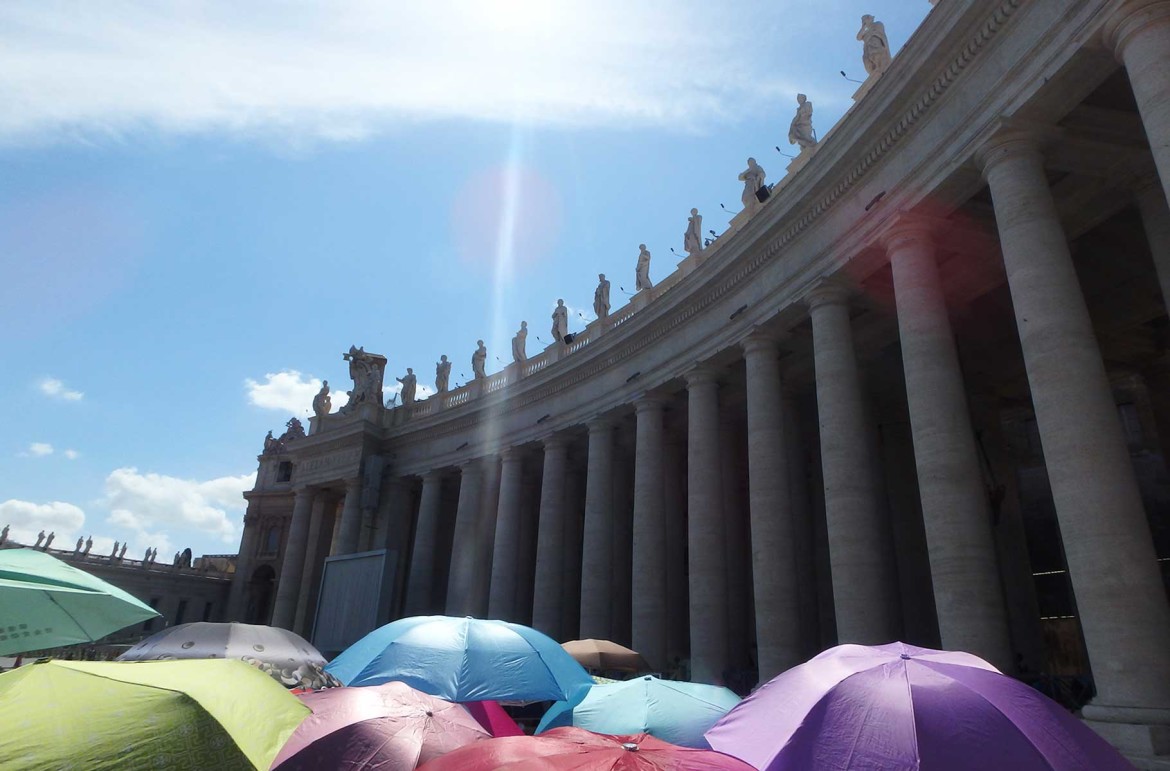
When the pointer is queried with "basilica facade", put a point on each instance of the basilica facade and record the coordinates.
(919, 392)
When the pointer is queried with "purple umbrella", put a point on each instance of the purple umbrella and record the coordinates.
(900, 707)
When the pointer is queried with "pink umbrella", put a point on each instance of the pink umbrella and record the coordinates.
(492, 717)
(389, 726)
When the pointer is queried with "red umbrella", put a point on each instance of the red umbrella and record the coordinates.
(581, 750)
(389, 726)
(492, 717)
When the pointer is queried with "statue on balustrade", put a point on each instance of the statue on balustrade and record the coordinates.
(88, 545)
(442, 374)
(693, 238)
(77, 548)
(122, 551)
(49, 540)
(642, 272)
(753, 179)
(800, 131)
(4, 535)
(560, 322)
(293, 430)
(367, 371)
(322, 403)
(875, 54)
(409, 384)
(270, 444)
(479, 360)
(40, 537)
(601, 297)
(518, 344)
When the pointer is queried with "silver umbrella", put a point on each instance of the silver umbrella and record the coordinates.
(284, 655)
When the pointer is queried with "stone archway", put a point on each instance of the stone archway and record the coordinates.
(260, 592)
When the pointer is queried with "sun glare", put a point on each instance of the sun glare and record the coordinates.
(517, 19)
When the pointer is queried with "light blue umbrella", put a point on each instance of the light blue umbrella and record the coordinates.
(464, 659)
(676, 712)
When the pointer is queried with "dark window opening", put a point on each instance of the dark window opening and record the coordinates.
(284, 471)
(182, 611)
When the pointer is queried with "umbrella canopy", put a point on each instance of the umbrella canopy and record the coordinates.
(160, 714)
(390, 726)
(576, 749)
(45, 602)
(900, 707)
(464, 659)
(603, 654)
(284, 655)
(493, 718)
(679, 713)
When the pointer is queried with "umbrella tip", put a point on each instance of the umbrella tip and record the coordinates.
(430, 713)
(630, 747)
(905, 656)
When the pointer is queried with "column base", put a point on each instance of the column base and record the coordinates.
(1141, 735)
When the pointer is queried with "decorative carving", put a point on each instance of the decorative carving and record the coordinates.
(753, 179)
(693, 238)
(560, 322)
(442, 374)
(875, 54)
(409, 384)
(642, 272)
(601, 297)
(367, 371)
(293, 431)
(479, 360)
(800, 131)
(519, 355)
(322, 402)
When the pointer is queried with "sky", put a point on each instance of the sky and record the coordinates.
(204, 204)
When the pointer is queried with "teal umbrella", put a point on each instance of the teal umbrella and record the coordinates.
(676, 712)
(45, 603)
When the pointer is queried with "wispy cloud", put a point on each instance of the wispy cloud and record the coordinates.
(71, 454)
(289, 391)
(344, 69)
(39, 449)
(26, 519)
(55, 389)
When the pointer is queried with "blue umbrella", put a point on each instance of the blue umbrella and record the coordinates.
(679, 713)
(464, 659)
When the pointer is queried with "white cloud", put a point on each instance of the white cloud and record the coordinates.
(345, 69)
(25, 519)
(38, 450)
(150, 505)
(72, 454)
(55, 389)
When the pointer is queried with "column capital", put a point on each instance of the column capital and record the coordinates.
(511, 455)
(432, 476)
(300, 493)
(1130, 19)
(555, 442)
(472, 465)
(908, 229)
(701, 375)
(1008, 144)
(599, 425)
(759, 342)
(650, 402)
(828, 292)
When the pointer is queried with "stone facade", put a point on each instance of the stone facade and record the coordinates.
(919, 393)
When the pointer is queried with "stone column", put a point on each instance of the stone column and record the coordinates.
(301, 622)
(648, 587)
(773, 531)
(420, 587)
(674, 506)
(506, 554)
(705, 537)
(1139, 32)
(461, 579)
(243, 574)
(596, 547)
(1119, 593)
(1156, 222)
(550, 540)
(293, 560)
(863, 576)
(486, 533)
(802, 521)
(351, 518)
(955, 511)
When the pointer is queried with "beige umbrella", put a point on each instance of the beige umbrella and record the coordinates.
(605, 655)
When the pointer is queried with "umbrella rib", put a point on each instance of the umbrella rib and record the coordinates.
(70, 616)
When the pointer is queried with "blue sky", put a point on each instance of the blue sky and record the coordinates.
(202, 205)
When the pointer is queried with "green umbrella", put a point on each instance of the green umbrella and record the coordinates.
(45, 602)
(193, 714)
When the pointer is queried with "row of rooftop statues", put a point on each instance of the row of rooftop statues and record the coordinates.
(367, 369)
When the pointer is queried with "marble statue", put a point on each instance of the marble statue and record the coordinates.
(293, 430)
(77, 548)
(49, 540)
(753, 179)
(88, 545)
(642, 272)
(40, 537)
(875, 54)
(518, 344)
(560, 322)
(322, 402)
(800, 131)
(178, 558)
(270, 444)
(367, 371)
(442, 374)
(478, 360)
(146, 556)
(601, 297)
(409, 383)
(693, 238)
(122, 552)
(4, 535)
(114, 553)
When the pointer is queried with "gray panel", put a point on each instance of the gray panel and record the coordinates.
(355, 589)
